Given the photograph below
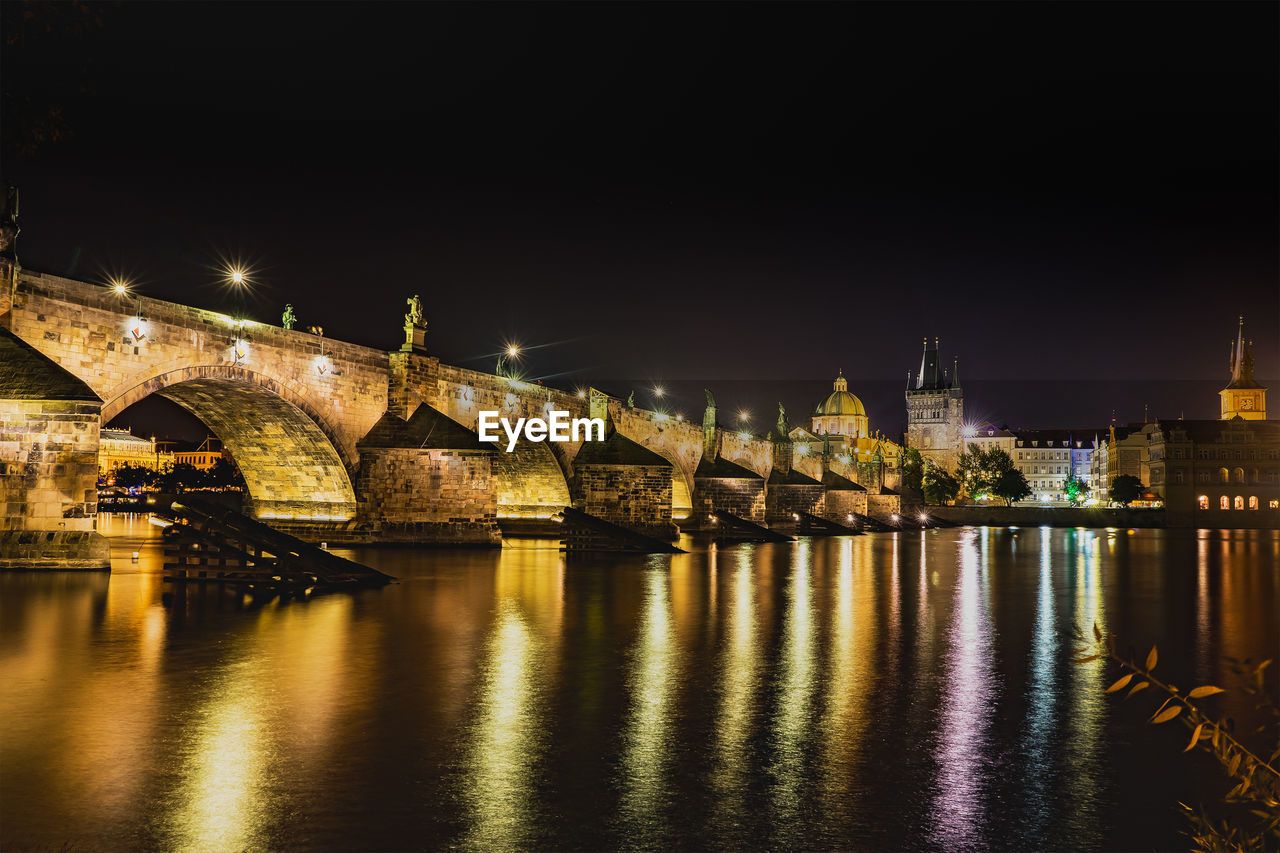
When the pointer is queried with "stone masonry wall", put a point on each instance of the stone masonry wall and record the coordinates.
(48, 464)
(637, 497)
(883, 506)
(742, 497)
(843, 503)
(436, 496)
(781, 500)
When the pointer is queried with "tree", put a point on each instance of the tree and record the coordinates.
(1011, 485)
(939, 487)
(1126, 489)
(224, 475)
(913, 471)
(135, 476)
(981, 471)
(1076, 490)
(181, 476)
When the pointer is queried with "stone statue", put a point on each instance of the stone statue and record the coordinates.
(711, 401)
(782, 421)
(414, 317)
(289, 318)
(631, 400)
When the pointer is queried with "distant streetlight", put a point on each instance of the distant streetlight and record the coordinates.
(657, 391)
(744, 416)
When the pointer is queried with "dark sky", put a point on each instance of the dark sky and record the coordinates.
(706, 192)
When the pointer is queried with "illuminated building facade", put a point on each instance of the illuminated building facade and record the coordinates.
(1048, 457)
(1243, 396)
(120, 447)
(935, 410)
(1215, 472)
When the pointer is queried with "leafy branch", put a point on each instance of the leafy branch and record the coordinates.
(1257, 779)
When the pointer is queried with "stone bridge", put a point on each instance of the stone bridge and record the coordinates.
(346, 441)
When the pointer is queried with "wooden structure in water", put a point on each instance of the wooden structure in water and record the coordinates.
(732, 528)
(210, 543)
(583, 532)
(815, 525)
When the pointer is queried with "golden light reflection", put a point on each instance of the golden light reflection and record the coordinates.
(647, 735)
(793, 722)
(739, 668)
(851, 663)
(224, 801)
(1087, 703)
(507, 736)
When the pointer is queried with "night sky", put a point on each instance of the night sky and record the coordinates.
(712, 193)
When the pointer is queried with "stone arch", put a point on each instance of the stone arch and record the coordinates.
(292, 466)
(529, 481)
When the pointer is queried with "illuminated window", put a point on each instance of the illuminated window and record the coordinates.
(1223, 476)
(1237, 476)
(1224, 502)
(1274, 504)
(1239, 502)
(1253, 502)
(1204, 501)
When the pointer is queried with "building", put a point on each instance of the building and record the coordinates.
(1047, 458)
(204, 457)
(987, 435)
(935, 410)
(840, 436)
(1243, 396)
(841, 413)
(1120, 450)
(120, 447)
(1217, 473)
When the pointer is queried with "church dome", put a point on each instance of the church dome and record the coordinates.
(840, 401)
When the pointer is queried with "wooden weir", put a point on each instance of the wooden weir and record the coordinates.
(586, 532)
(210, 543)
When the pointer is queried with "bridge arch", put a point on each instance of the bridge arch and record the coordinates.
(293, 465)
(529, 481)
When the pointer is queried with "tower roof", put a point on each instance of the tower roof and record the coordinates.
(930, 376)
(1242, 361)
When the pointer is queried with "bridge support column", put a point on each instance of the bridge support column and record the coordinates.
(49, 423)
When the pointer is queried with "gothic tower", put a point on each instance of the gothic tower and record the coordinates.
(935, 410)
(1243, 396)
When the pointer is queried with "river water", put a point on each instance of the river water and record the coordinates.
(888, 691)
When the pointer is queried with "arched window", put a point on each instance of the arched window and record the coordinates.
(1237, 476)
(1253, 476)
(1224, 502)
(1224, 476)
(1177, 477)
(1239, 502)
(1253, 501)
(1204, 501)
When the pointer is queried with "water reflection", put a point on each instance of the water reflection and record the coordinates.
(739, 668)
(964, 756)
(647, 735)
(792, 696)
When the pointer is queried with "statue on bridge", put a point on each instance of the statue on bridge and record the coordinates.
(631, 400)
(289, 319)
(711, 401)
(782, 421)
(415, 327)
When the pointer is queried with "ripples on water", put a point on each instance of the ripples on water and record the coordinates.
(876, 692)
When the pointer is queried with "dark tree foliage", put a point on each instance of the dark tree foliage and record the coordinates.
(984, 472)
(913, 471)
(1012, 485)
(135, 476)
(939, 486)
(224, 475)
(1076, 490)
(1126, 489)
(181, 476)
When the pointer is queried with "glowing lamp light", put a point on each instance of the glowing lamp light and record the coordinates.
(744, 416)
(894, 518)
(582, 393)
(658, 392)
(744, 435)
(679, 417)
(923, 518)
(513, 351)
(120, 288)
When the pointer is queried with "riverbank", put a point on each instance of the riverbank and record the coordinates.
(1052, 516)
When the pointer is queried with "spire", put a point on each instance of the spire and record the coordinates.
(1242, 360)
(955, 373)
(930, 374)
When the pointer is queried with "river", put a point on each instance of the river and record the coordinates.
(888, 691)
